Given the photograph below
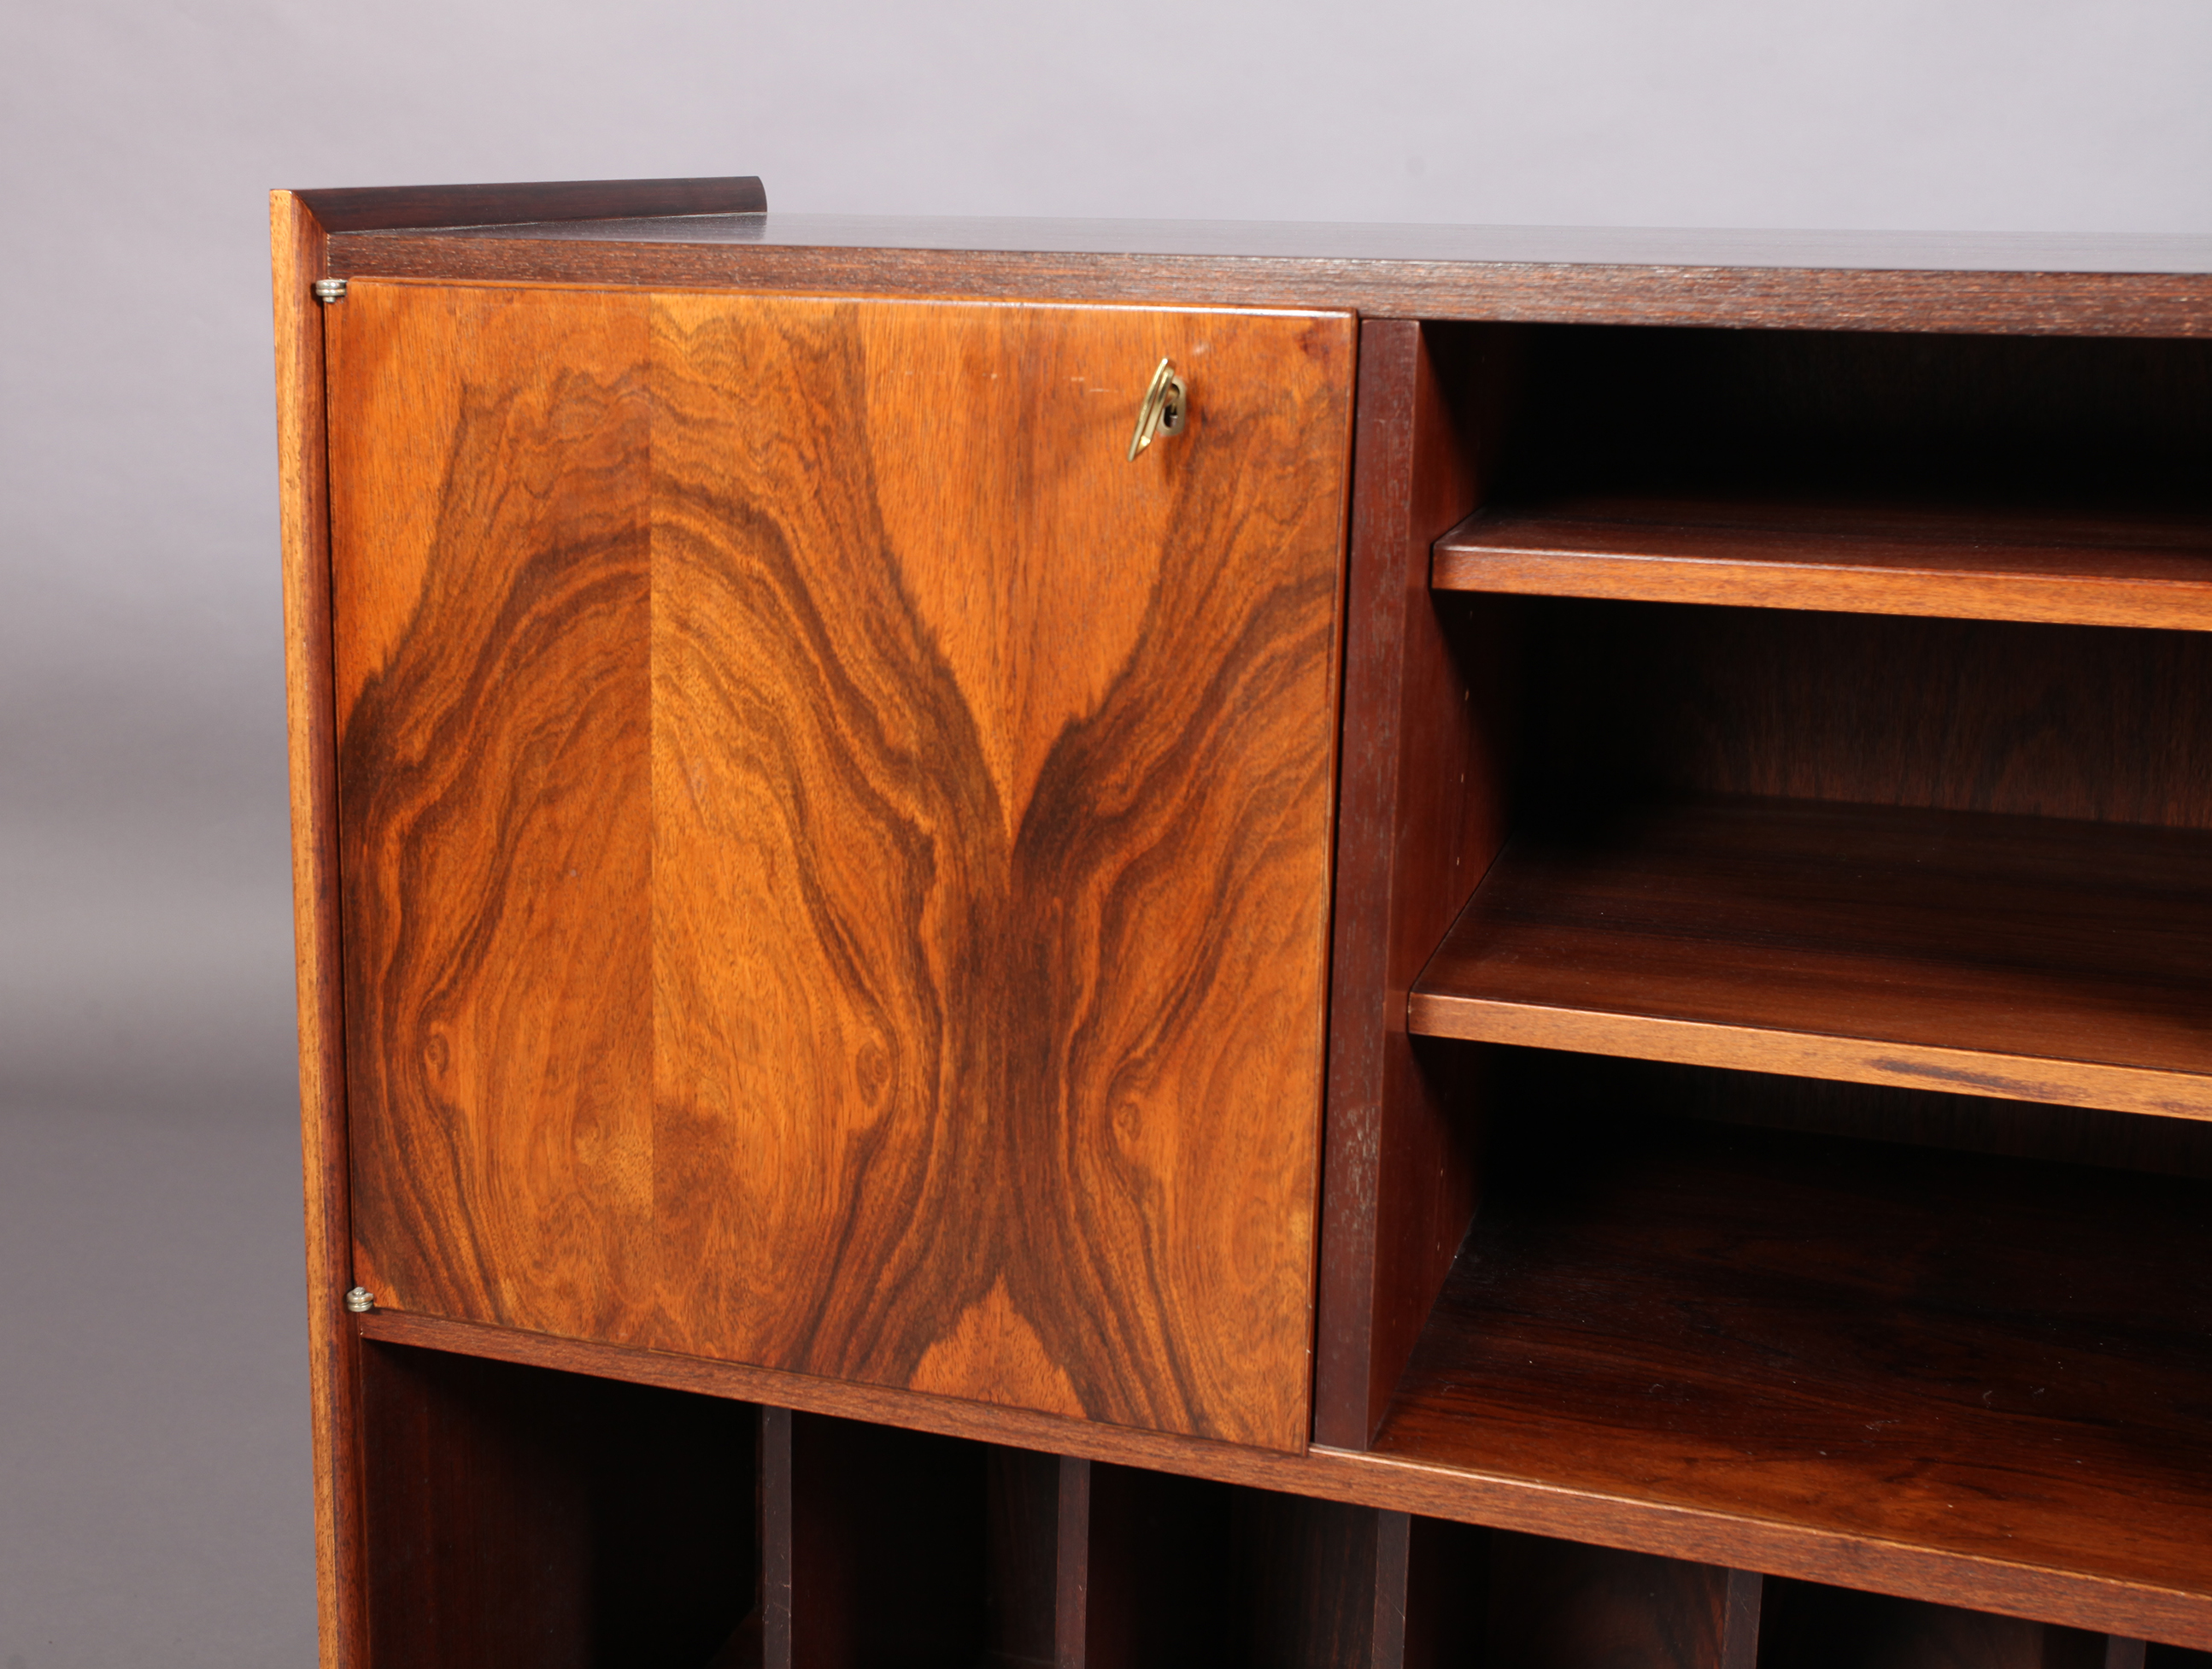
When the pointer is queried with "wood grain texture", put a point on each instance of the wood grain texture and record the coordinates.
(296, 243)
(372, 208)
(491, 618)
(517, 1518)
(2035, 959)
(1418, 819)
(1909, 1347)
(808, 801)
(2114, 571)
(992, 819)
(1561, 1606)
(1531, 275)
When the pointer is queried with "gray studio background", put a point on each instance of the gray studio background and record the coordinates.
(154, 1494)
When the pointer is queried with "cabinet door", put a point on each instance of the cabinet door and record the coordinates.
(836, 854)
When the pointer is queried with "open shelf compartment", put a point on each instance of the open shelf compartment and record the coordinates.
(2028, 958)
(1977, 477)
(1959, 1352)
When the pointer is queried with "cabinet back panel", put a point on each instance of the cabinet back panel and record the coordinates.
(1862, 414)
(837, 855)
(1633, 700)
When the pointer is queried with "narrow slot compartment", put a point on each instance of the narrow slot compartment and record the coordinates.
(878, 1549)
(1809, 1626)
(1987, 478)
(1970, 1355)
(1477, 1599)
(1186, 1574)
(518, 1516)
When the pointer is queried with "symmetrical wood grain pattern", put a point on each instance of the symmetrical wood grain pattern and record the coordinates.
(371, 208)
(981, 874)
(1419, 819)
(297, 245)
(1602, 275)
(2030, 958)
(992, 803)
(2115, 570)
(1938, 1350)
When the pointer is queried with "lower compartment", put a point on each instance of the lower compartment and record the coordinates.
(526, 1516)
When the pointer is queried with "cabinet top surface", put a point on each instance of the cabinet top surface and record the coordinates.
(1323, 241)
(2035, 283)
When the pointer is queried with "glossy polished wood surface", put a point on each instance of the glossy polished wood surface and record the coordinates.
(297, 249)
(2030, 958)
(2141, 570)
(1914, 282)
(837, 856)
(1949, 1351)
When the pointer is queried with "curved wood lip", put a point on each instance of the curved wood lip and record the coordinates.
(451, 208)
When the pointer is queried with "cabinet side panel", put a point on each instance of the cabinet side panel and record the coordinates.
(296, 247)
(1421, 817)
(488, 570)
(992, 778)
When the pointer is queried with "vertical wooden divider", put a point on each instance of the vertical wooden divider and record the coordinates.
(1746, 1594)
(1419, 817)
(1072, 1550)
(1038, 1554)
(775, 1537)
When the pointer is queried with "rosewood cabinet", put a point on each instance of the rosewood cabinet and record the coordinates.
(1535, 993)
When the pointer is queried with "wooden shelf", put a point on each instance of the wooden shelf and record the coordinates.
(2138, 570)
(2027, 958)
(1924, 1349)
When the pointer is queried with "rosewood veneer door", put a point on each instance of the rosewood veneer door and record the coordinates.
(837, 855)
(993, 781)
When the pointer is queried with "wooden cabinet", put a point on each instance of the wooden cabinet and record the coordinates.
(1537, 995)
